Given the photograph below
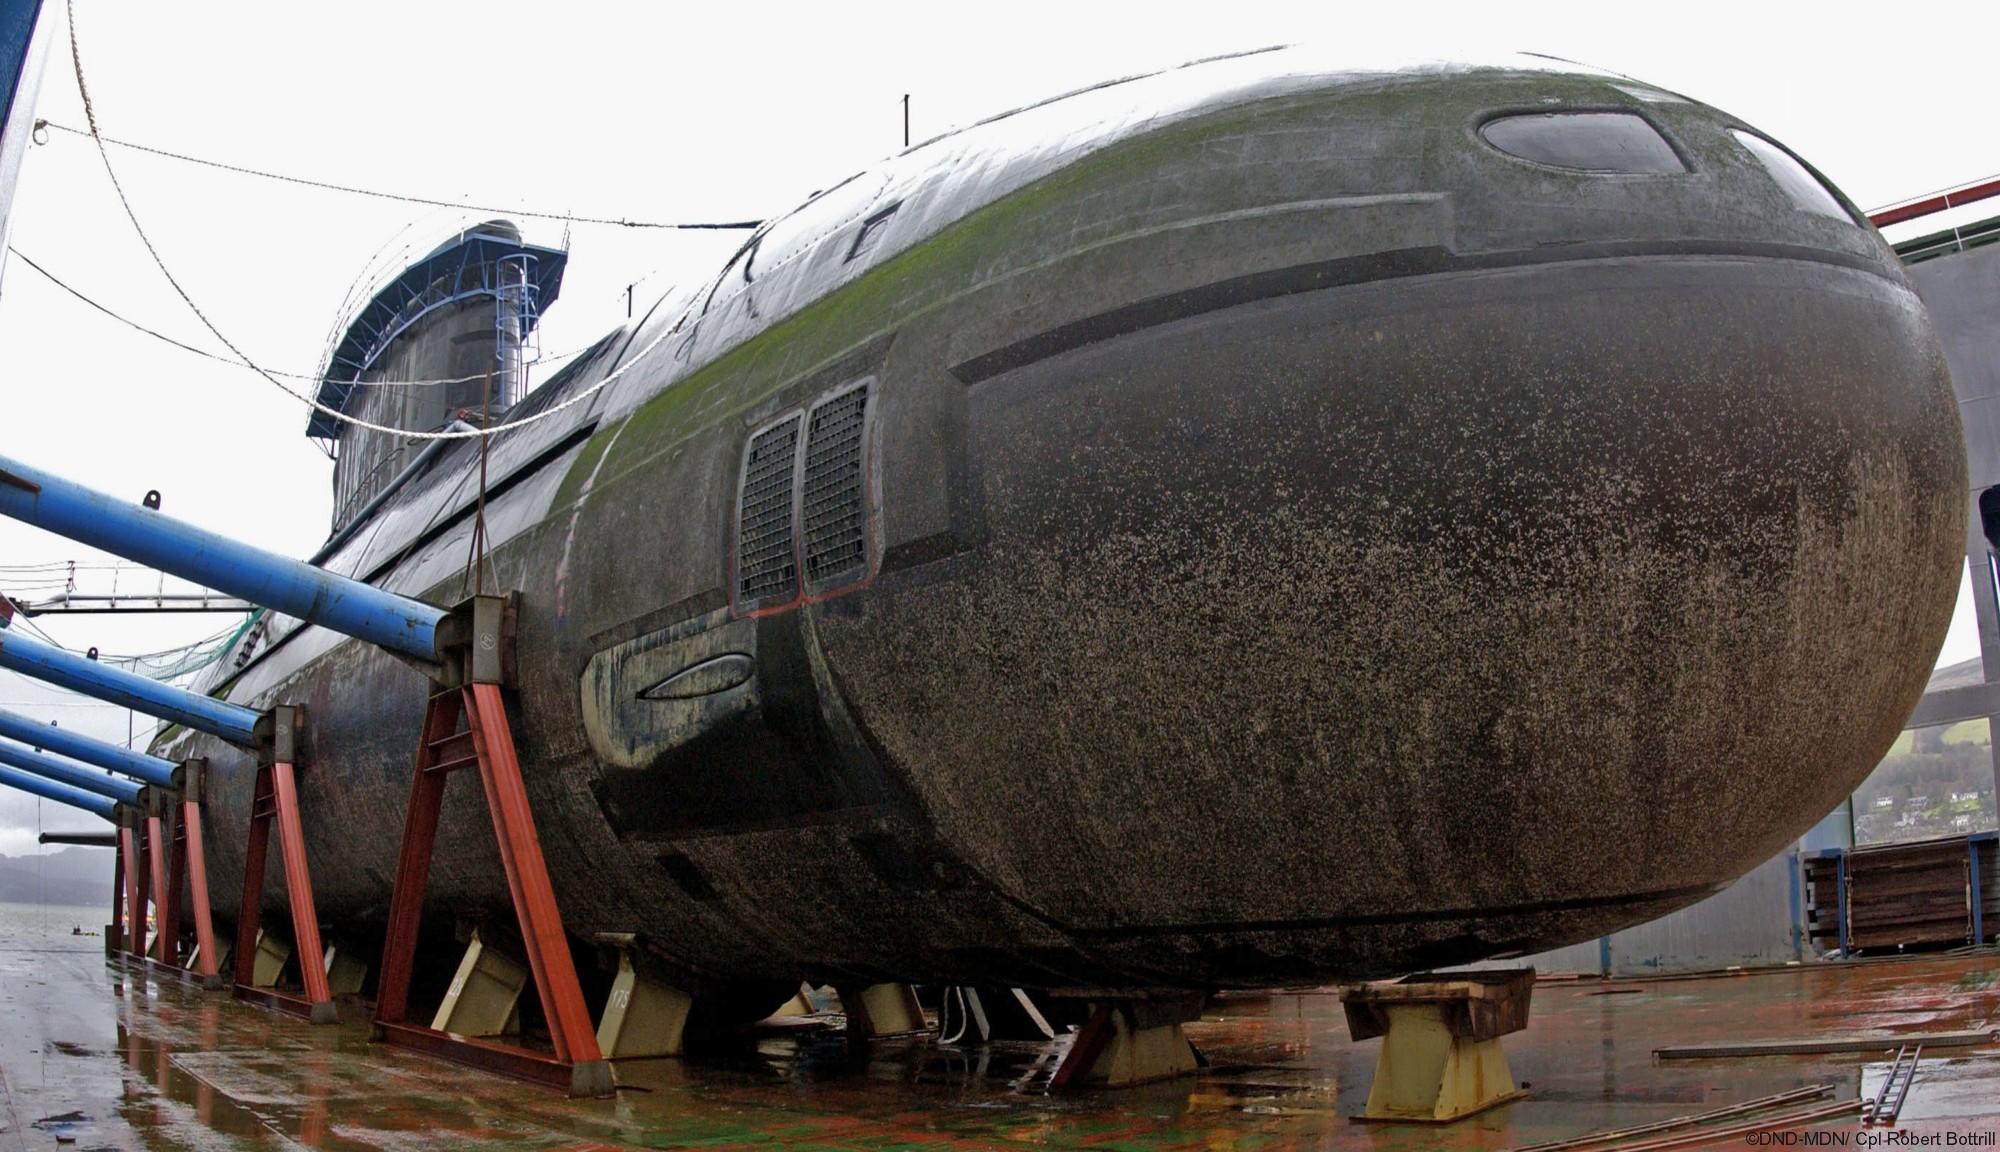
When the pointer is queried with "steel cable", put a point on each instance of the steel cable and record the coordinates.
(104, 154)
(616, 222)
(157, 335)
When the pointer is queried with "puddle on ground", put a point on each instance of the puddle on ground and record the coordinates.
(182, 1069)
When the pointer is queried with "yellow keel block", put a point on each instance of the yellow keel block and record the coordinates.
(1441, 1058)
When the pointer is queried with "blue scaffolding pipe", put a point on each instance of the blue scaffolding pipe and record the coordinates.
(280, 583)
(60, 793)
(79, 776)
(90, 750)
(39, 661)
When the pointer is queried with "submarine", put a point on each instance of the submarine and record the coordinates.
(1269, 521)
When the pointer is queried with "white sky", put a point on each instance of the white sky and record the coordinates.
(676, 112)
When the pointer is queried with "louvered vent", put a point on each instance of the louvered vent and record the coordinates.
(765, 562)
(835, 527)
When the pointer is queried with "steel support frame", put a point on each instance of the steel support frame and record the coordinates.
(186, 870)
(155, 853)
(276, 800)
(149, 868)
(1142, 1040)
(114, 935)
(1091, 1041)
(577, 1066)
(191, 866)
(136, 870)
(115, 932)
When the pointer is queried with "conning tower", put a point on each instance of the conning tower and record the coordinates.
(468, 308)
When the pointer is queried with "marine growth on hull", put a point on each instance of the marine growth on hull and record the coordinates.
(1267, 521)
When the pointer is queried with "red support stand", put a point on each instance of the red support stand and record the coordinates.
(191, 864)
(485, 740)
(114, 932)
(156, 882)
(1091, 1041)
(167, 885)
(186, 867)
(135, 889)
(160, 849)
(277, 799)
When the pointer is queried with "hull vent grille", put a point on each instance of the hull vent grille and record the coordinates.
(766, 564)
(835, 527)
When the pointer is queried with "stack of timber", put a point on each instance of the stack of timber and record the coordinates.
(1940, 892)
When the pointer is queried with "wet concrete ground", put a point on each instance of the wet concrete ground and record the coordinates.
(93, 1059)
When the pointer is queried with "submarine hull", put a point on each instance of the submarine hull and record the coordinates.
(1399, 625)
(1291, 541)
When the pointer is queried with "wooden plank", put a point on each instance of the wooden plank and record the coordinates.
(1813, 1046)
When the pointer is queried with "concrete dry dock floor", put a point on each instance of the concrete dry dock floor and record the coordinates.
(99, 1060)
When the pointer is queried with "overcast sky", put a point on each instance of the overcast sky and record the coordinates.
(672, 113)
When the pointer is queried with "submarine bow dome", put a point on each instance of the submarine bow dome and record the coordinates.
(1256, 523)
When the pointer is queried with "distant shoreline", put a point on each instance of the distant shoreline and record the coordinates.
(71, 877)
